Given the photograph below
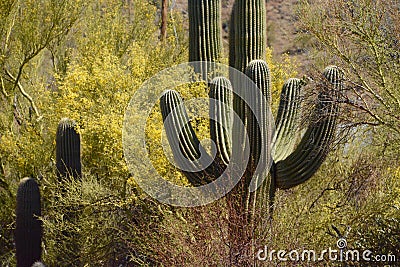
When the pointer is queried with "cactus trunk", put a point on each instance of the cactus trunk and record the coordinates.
(205, 42)
(249, 34)
(68, 150)
(28, 232)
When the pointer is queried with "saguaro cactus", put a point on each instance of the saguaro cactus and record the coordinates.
(28, 232)
(68, 150)
(291, 165)
(289, 168)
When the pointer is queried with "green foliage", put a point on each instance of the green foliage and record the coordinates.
(358, 195)
(90, 224)
(362, 36)
(86, 72)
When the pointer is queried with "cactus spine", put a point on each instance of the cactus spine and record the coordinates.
(68, 150)
(28, 232)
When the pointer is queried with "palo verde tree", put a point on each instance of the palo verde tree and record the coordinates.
(363, 36)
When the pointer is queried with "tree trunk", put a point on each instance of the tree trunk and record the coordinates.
(164, 18)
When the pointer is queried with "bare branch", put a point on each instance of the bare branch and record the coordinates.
(25, 94)
(3, 88)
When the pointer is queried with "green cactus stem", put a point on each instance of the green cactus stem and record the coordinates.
(288, 118)
(248, 33)
(189, 154)
(221, 117)
(28, 232)
(68, 163)
(259, 123)
(312, 150)
(259, 129)
(68, 150)
(205, 32)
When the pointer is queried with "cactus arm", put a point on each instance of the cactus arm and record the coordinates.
(259, 129)
(287, 120)
(248, 30)
(221, 117)
(188, 153)
(28, 232)
(205, 30)
(299, 166)
(68, 150)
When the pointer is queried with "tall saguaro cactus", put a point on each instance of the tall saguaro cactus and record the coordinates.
(68, 150)
(28, 232)
(291, 164)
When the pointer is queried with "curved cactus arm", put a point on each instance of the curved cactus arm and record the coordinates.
(299, 166)
(221, 117)
(188, 153)
(28, 232)
(248, 33)
(68, 150)
(287, 120)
